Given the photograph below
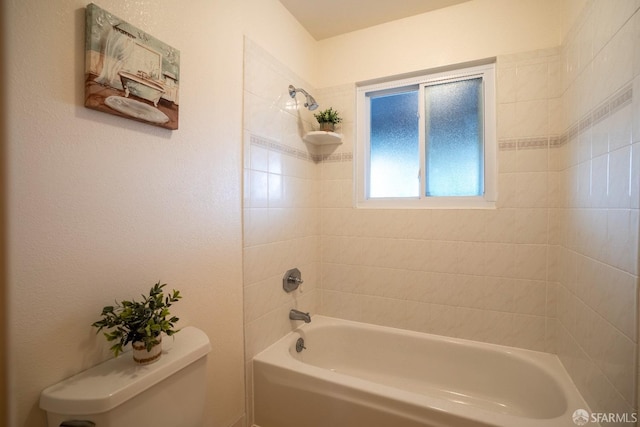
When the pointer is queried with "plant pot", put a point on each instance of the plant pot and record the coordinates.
(327, 126)
(142, 356)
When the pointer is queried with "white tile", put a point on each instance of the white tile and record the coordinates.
(532, 160)
(259, 189)
(507, 161)
(507, 187)
(530, 297)
(500, 225)
(555, 77)
(598, 193)
(532, 118)
(600, 137)
(500, 259)
(506, 84)
(531, 262)
(531, 190)
(497, 294)
(619, 169)
(635, 176)
(483, 325)
(471, 258)
(620, 128)
(532, 225)
(532, 82)
(528, 332)
(507, 121)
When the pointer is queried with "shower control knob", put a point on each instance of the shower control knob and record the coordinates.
(292, 280)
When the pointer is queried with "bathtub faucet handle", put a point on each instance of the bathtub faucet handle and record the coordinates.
(292, 280)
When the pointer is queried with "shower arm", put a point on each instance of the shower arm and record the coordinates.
(310, 103)
(293, 90)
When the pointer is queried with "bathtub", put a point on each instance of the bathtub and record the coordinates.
(354, 375)
(141, 87)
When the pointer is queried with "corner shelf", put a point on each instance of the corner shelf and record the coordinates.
(320, 137)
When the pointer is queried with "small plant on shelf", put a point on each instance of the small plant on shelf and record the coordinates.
(139, 321)
(328, 119)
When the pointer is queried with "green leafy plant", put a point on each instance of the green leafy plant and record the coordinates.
(143, 321)
(328, 116)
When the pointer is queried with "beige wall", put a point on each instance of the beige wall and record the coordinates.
(100, 207)
(280, 35)
(465, 32)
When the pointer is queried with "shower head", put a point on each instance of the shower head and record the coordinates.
(310, 103)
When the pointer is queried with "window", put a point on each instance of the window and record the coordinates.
(428, 141)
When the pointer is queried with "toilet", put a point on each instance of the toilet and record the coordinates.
(168, 393)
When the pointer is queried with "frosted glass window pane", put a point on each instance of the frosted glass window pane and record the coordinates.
(454, 147)
(394, 146)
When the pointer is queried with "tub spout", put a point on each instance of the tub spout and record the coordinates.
(299, 315)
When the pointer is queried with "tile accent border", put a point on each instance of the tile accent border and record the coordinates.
(610, 106)
(278, 147)
(523, 144)
(272, 145)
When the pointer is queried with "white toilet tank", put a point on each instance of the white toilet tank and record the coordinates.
(168, 393)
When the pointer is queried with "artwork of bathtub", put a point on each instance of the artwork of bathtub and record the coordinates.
(354, 374)
(128, 72)
(140, 87)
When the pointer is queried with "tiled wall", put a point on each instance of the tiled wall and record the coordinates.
(553, 268)
(280, 204)
(477, 274)
(596, 218)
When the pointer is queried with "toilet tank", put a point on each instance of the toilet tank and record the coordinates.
(168, 393)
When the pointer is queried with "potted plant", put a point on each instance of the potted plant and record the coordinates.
(140, 323)
(328, 119)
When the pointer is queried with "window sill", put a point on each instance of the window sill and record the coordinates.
(430, 203)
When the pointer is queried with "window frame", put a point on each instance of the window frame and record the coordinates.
(487, 71)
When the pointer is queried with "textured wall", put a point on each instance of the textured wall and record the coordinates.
(100, 208)
(465, 32)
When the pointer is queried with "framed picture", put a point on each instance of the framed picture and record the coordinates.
(128, 72)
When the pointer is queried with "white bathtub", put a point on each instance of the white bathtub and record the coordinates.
(355, 375)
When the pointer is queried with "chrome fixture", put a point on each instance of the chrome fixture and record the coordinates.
(291, 280)
(299, 315)
(311, 103)
(300, 345)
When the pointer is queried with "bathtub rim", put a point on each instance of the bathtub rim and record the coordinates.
(547, 362)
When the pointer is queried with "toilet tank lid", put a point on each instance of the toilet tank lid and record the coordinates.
(109, 384)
